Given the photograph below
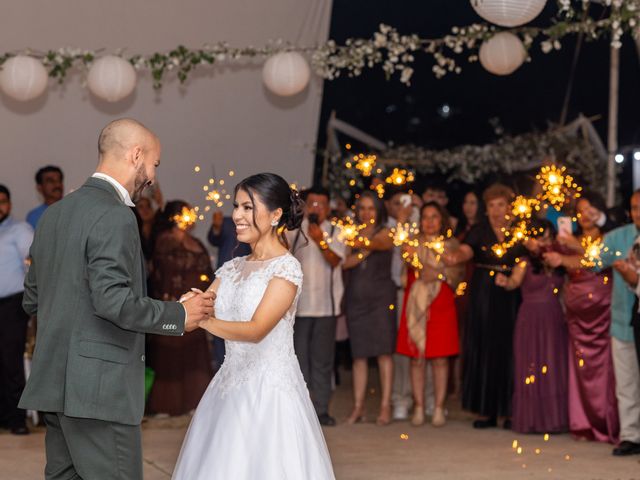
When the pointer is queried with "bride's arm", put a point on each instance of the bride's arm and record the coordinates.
(277, 299)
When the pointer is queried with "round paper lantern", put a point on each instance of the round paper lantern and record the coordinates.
(286, 73)
(502, 54)
(111, 78)
(23, 78)
(508, 13)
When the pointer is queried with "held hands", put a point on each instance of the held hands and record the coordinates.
(199, 306)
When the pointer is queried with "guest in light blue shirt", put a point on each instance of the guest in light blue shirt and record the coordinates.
(625, 362)
(49, 183)
(15, 240)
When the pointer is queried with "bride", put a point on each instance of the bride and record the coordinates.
(256, 420)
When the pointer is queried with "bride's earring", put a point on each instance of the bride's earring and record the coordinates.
(274, 222)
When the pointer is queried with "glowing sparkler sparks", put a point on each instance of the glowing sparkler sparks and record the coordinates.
(379, 189)
(413, 260)
(519, 233)
(401, 234)
(366, 164)
(557, 186)
(499, 250)
(437, 244)
(593, 250)
(523, 207)
(400, 176)
(348, 231)
(186, 218)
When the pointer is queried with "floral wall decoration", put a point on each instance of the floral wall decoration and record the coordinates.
(387, 49)
(474, 163)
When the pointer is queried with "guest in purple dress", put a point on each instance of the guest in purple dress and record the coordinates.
(539, 343)
(593, 410)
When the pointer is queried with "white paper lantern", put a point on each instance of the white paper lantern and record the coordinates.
(502, 54)
(23, 78)
(111, 78)
(508, 13)
(286, 73)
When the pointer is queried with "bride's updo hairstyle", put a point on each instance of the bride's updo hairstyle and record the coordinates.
(274, 193)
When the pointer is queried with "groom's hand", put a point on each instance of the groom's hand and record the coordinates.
(199, 307)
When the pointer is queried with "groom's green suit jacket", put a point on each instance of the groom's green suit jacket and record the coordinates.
(87, 285)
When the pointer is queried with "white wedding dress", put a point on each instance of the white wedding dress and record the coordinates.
(255, 421)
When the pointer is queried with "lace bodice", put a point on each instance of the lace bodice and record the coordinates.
(242, 285)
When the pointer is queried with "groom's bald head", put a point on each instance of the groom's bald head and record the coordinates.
(129, 152)
(122, 135)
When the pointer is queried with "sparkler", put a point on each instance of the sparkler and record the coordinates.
(365, 164)
(593, 250)
(348, 231)
(557, 185)
(400, 176)
(402, 234)
(523, 207)
(186, 218)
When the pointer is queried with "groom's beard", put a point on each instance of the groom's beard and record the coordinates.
(140, 183)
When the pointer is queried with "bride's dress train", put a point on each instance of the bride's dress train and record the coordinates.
(256, 420)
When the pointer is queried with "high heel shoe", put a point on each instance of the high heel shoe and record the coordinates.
(438, 419)
(357, 416)
(384, 418)
(418, 416)
(483, 423)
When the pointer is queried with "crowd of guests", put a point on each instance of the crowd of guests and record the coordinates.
(535, 338)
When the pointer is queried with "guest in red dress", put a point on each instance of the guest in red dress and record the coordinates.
(429, 325)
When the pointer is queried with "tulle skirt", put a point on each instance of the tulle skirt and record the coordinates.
(255, 431)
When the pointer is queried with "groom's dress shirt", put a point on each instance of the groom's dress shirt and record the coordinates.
(124, 194)
(15, 240)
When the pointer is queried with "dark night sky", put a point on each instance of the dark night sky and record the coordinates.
(528, 99)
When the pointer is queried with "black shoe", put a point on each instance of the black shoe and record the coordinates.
(626, 448)
(485, 423)
(507, 424)
(20, 430)
(327, 420)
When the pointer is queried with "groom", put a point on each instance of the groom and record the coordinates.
(87, 285)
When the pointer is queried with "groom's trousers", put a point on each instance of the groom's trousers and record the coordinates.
(88, 449)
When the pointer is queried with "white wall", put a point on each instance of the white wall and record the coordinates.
(223, 119)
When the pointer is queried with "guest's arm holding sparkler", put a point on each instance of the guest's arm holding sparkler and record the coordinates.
(571, 242)
(627, 271)
(355, 258)
(514, 280)
(556, 260)
(463, 254)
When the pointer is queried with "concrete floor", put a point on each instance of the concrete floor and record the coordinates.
(398, 451)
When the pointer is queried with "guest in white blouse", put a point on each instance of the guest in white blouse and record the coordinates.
(318, 250)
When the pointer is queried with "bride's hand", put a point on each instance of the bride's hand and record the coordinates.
(186, 297)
